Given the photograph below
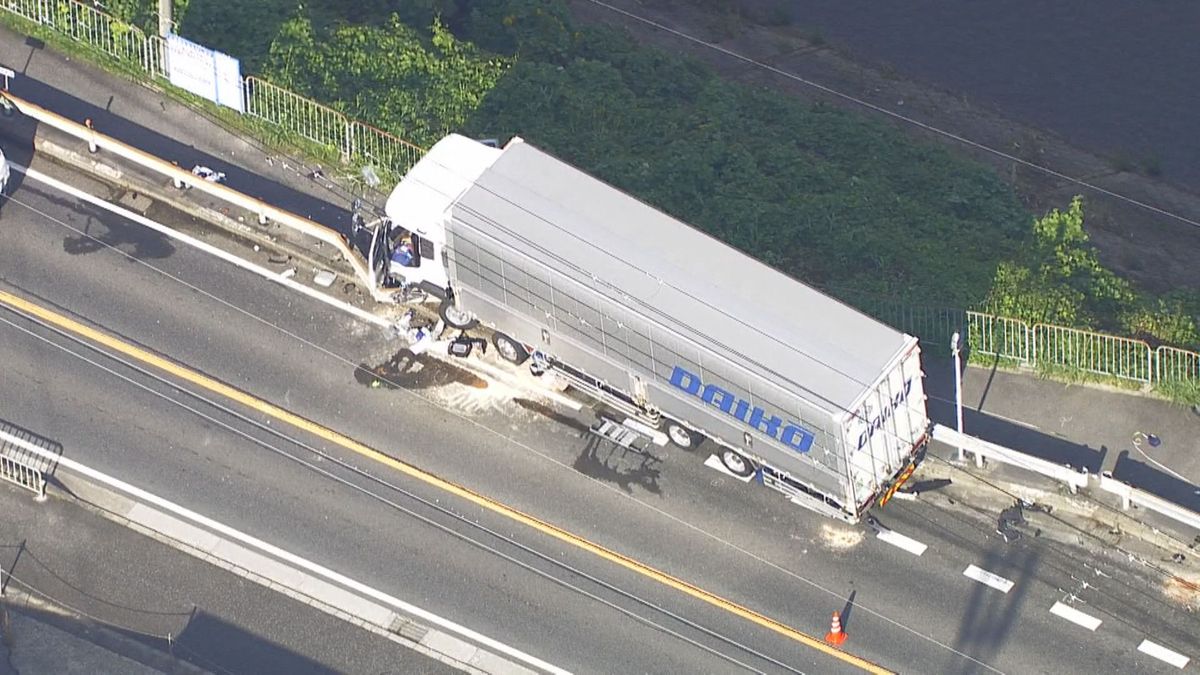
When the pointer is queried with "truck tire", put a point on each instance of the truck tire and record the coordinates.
(736, 463)
(683, 436)
(456, 318)
(509, 349)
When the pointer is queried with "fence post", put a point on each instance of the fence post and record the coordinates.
(1032, 341)
(348, 141)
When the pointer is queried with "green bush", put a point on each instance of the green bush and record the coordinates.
(417, 86)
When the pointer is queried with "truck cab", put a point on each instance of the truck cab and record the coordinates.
(419, 206)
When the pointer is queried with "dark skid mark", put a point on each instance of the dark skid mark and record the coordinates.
(411, 371)
(137, 241)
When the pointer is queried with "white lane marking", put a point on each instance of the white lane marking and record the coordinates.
(1075, 616)
(988, 579)
(1010, 419)
(468, 364)
(205, 247)
(714, 462)
(907, 543)
(280, 554)
(1162, 653)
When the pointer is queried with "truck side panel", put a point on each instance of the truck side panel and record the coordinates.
(590, 329)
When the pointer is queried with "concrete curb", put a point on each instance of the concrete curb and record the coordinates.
(282, 578)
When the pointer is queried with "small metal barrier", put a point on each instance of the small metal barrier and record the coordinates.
(299, 115)
(23, 475)
(1098, 353)
(26, 459)
(998, 336)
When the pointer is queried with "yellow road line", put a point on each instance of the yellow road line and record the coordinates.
(348, 443)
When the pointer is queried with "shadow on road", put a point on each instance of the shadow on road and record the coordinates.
(1146, 476)
(989, 614)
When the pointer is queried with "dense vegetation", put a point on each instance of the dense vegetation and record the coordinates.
(833, 198)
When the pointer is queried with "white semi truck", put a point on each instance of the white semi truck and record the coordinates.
(664, 324)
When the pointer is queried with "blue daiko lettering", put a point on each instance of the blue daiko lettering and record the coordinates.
(876, 422)
(790, 434)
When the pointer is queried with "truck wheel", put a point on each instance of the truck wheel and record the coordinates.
(737, 464)
(455, 317)
(683, 436)
(509, 349)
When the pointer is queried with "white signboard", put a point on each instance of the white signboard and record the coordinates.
(204, 72)
(229, 81)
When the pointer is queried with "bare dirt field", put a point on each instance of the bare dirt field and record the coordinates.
(1091, 90)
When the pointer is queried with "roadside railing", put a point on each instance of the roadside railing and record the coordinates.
(1131, 497)
(1039, 345)
(984, 450)
(354, 142)
(1075, 480)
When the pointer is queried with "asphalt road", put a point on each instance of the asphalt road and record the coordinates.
(913, 614)
(1110, 77)
(146, 592)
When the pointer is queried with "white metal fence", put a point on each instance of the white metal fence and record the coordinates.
(1037, 345)
(356, 143)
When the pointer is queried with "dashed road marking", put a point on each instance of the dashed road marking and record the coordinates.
(1163, 654)
(988, 579)
(907, 543)
(714, 462)
(1075, 616)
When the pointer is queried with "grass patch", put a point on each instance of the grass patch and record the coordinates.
(1076, 375)
(1183, 392)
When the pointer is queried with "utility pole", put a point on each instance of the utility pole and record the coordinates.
(958, 409)
(165, 22)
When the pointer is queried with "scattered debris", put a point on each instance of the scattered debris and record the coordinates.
(288, 273)
(840, 539)
(324, 278)
(1183, 590)
(1010, 518)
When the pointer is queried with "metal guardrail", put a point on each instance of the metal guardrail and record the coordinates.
(982, 450)
(1132, 496)
(180, 176)
(295, 114)
(1075, 480)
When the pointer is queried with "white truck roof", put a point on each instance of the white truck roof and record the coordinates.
(761, 319)
(430, 187)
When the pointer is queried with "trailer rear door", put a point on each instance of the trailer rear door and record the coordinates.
(888, 426)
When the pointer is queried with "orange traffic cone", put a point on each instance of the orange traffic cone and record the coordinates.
(835, 636)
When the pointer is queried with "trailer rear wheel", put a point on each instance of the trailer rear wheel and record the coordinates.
(455, 317)
(737, 464)
(509, 349)
(683, 436)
